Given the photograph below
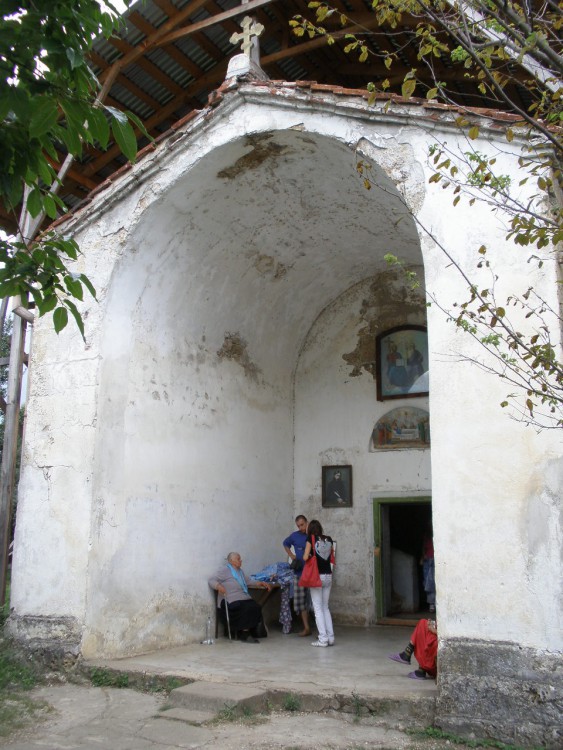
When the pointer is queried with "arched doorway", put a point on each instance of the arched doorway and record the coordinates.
(234, 266)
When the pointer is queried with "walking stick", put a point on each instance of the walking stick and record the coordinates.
(228, 621)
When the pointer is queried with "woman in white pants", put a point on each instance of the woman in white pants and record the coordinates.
(320, 545)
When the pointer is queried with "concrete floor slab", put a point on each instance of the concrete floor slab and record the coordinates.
(356, 664)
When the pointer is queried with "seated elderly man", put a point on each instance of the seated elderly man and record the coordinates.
(231, 582)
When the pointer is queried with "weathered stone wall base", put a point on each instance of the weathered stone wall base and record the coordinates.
(501, 691)
(54, 640)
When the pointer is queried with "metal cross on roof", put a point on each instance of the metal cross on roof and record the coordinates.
(250, 31)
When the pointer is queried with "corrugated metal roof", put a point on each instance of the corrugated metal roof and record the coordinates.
(164, 81)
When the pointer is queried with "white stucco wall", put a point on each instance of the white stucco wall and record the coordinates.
(496, 481)
(167, 440)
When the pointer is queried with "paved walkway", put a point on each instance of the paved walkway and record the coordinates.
(111, 719)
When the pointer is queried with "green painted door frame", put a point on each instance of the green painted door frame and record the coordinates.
(382, 552)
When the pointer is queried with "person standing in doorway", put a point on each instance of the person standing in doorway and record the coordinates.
(298, 540)
(427, 562)
(321, 546)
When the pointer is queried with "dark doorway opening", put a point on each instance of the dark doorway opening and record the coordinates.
(400, 525)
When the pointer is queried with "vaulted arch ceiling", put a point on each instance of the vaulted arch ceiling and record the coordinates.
(259, 236)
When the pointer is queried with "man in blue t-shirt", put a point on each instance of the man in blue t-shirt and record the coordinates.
(297, 540)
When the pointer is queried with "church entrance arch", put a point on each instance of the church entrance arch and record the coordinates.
(233, 353)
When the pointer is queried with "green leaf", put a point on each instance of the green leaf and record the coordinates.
(76, 315)
(50, 206)
(125, 138)
(473, 132)
(45, 171)
(407, 89)
(76, 114)
(71, 139)
(48, 303)
(60, 319)
(34, 202)
(116, 114)
(68, 247)
(99, 126)
(44, 117)
(74, 287)
(88, 284)
(76, 60)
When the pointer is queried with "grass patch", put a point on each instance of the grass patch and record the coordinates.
(243, 715)
(228, 712)
(15, 674)
(291, 702)
(17, 677)
(358, 706)
(107, 678)
(145, 683)
(5, 609)
(156, 684)
(231, 712)
(448, 737)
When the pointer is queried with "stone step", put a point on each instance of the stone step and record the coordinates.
(187, 715)
(216, 697)
(200, 702)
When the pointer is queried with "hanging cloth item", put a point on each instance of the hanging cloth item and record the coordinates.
(238, 576)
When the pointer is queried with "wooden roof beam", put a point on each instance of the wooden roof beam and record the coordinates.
(140, 49)
(166, 34)
(304, 47)
(212, 78)
(212, 20)
(149, 67)
(143, 25)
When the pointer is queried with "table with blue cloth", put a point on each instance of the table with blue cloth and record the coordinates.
(280, 573)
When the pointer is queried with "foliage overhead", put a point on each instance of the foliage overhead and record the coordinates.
(511, 52)
(50, 107)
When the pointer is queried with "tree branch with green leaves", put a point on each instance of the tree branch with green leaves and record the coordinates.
(51, 109)
(501, 47)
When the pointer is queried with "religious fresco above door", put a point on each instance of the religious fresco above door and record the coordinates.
(403, 427)
(401, 361)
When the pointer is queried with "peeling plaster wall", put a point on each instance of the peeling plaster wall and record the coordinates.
(241, 253)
